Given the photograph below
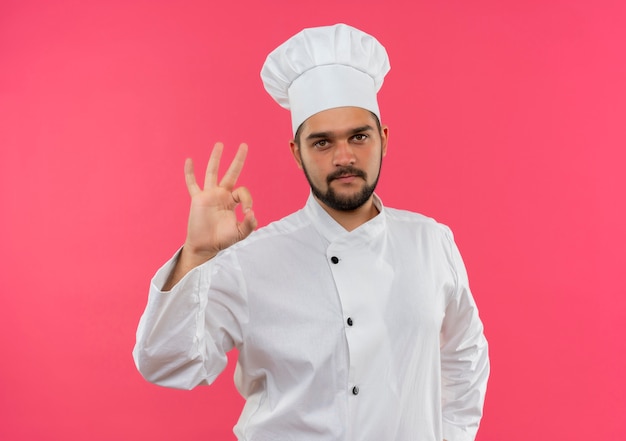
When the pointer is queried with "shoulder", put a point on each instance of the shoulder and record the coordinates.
(397, 218)
(284, 229)
(289, 225)
(415, 230)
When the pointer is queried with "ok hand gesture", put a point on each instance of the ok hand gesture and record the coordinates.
(213, 224)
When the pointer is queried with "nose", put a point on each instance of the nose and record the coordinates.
(343, 155)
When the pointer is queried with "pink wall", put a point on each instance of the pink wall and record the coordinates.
(507, 122)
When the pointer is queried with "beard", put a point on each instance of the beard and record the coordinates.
(339, 202)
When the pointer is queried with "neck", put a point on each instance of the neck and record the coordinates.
(351, 220)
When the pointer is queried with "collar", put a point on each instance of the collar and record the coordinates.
(333, 232)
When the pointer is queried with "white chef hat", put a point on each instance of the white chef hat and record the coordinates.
(323, 68)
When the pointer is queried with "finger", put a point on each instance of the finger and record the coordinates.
(190, 178)
(234, 170)
(212, 168)
(242, 196)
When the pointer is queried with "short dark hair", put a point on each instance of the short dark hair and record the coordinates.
(296, 137)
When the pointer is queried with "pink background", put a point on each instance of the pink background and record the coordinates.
(507, 122)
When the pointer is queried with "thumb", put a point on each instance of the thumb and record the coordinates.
(248, 224)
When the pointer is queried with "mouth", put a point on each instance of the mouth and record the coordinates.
(346, 178)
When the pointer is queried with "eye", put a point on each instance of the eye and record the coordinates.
(321, 144)
(360, 137)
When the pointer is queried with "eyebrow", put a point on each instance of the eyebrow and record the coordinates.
(321, 135)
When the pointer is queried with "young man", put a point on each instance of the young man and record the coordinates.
(353, 321)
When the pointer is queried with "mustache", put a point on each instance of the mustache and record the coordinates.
(345, 171)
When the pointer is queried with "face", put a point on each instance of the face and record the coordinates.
(340, 151)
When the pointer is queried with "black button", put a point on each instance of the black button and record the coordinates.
(350, 322)
(334, 259)
(355, 390)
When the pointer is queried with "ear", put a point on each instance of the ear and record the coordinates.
(384, 137)
(295, 151)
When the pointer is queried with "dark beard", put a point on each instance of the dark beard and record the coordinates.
(342, 203)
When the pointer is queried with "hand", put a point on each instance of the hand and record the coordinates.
(213, 224)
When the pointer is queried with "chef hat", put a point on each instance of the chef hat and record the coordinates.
(323, 68)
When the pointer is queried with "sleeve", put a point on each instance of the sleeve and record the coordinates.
(184, 334)
(464, 357)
